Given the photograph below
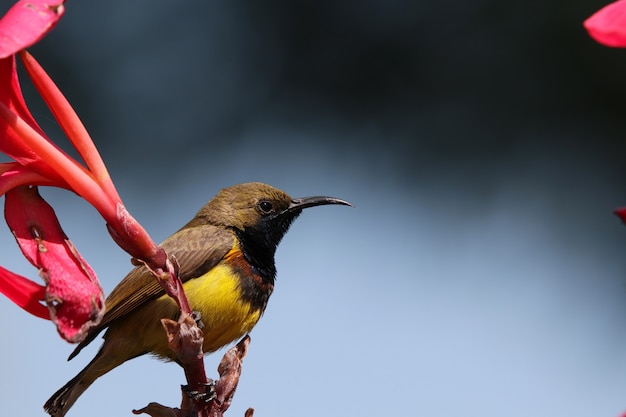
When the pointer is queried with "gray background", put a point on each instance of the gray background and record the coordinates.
(481, 272)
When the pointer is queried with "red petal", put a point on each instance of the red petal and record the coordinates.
(621, 213)
(73, 294)
(24, 293)
(26, 23)
(14, 175)
(608, 25)
(11, 97)
(12, 107)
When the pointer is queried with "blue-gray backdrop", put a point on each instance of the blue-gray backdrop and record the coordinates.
(481, 272)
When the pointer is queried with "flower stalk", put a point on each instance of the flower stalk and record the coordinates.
(39, 162)
(71, 295)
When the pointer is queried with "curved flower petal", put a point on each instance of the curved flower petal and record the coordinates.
(73, 294)
(69, 121)
(26, 23)
(28, 145)
(14, 175)
(24, 293)
(13, 114)
(608, 25)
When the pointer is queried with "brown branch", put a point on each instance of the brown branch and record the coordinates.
(201, 398)
(165, 272)
(230, 371)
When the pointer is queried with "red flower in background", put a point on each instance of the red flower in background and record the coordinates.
(608, 25)
(621, 213)
(72, 295)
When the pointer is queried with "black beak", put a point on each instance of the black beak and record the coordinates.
(302, 203)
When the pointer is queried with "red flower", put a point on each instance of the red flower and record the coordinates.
(26, 23)
(621, 213)
(72, 294)
(608, 25)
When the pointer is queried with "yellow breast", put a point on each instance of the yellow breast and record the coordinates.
(225, 315)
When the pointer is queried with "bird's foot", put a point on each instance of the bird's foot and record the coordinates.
(197, 316)
(205, 395)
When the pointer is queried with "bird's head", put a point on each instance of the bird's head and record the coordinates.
(258, 213)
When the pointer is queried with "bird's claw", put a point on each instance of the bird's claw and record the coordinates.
(197, 316)
(206, 395)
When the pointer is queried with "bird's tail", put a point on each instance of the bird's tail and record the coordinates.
(66, 396)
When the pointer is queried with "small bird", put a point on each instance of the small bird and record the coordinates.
(226, 258)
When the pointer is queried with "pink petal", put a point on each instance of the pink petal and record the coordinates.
(26, 23)
(24, 293)
(73, 294)
(608, 25)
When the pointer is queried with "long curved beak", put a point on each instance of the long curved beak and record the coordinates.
(302, 203)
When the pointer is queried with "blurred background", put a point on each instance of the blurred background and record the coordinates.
(483, 145)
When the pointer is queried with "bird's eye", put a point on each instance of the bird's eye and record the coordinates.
(265, 207)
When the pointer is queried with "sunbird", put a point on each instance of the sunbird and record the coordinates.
(226, 259)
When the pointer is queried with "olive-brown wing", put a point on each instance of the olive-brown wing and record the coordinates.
(197, 250)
